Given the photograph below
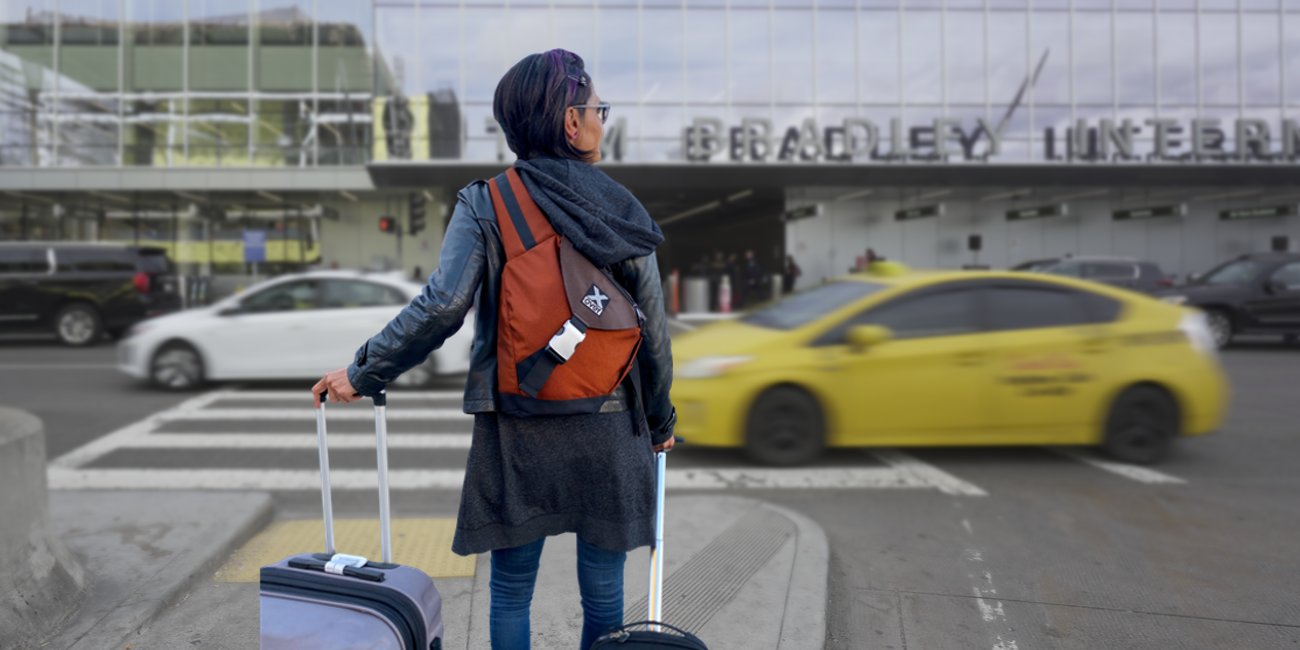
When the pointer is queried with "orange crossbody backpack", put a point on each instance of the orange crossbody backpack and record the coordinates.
(567, 333)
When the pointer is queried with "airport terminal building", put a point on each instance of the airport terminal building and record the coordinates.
(922, 130)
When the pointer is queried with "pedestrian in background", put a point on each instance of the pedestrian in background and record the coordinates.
(736, 276)
(789, 275)
(701, 268)
(753, 279)
(717, 269)
(529, 478)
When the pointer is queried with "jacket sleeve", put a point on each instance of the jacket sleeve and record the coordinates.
(437, 313)
(656, 355)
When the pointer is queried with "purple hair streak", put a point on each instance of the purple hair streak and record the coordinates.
(531, 100)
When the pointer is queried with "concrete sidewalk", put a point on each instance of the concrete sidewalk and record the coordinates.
(144, 551)
(740, 574)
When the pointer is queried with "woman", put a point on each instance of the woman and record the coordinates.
(529, 478)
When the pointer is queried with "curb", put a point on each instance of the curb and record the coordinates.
(803, 623)
(188, 567)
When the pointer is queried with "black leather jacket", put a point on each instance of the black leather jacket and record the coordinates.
(469, 273)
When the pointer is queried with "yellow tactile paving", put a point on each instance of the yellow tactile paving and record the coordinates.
(421, 543)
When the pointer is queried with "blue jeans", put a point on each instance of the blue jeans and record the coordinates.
(514, 573)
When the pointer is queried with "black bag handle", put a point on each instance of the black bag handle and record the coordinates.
(623, 628)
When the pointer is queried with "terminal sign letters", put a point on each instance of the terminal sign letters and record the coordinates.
(860, 139)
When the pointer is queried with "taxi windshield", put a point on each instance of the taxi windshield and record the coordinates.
(807, 306)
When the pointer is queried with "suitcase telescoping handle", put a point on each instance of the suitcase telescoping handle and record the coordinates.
(655, 600)
(381, 455)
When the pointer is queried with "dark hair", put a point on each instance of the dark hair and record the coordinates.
(531, 99)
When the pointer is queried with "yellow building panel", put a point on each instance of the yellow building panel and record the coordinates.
(200, 252)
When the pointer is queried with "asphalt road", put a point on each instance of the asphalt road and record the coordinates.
(1057, 553)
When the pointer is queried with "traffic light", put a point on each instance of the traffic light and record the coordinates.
(415, 205)
(388, 225)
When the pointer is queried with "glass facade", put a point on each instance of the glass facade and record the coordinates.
(303, 83)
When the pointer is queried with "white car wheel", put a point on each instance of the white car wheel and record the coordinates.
(177, 366)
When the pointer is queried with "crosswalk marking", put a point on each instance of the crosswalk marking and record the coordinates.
(422, 479)
(244, 479)
(98, 447)
(309, 415)
(927, 473)
(1134, 472)
(71, 471)
(296, 441)
(399, 396)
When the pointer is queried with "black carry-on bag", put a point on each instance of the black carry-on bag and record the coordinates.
(333, 601)
(653, 633)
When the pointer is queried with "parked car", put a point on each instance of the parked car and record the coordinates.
(79, 291)
(950, 358)
(296, 326)
(1253, 294)
(1144, 277)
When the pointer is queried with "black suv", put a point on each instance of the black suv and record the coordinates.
(1145, 277)
(1253, 294)
(81, 291)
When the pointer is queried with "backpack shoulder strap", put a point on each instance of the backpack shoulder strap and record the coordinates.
(523, 224)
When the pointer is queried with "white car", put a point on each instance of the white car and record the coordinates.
(297, 326)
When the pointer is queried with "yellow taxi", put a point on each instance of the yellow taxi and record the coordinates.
(901, 358)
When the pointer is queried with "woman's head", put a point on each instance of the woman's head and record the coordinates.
(542, 107)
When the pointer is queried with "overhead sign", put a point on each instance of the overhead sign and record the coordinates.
(1207, 139)
(919, 213)
(1176, 210)
(254, 245)
(805, 212)
(1055, 210)
(1256, 213)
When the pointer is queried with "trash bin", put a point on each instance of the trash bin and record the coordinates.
(775, 283)
(697, 295)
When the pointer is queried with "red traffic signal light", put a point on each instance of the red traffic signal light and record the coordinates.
(387, 225)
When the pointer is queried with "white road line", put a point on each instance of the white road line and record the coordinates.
(57, 366)
(105, 444)
(296, 441)
(224, 479)
(66, 478)
(927, 474)
(401, 396)
(1134, 472)
(309, 414)
(816, 478)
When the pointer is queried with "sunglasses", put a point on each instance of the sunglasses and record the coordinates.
(602, 109)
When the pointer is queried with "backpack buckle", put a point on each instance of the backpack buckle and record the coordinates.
(566, 341)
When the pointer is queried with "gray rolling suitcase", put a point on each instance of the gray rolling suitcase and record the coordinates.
(344, 602)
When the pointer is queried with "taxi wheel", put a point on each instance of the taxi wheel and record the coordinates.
(785, 428)
(1141, 426)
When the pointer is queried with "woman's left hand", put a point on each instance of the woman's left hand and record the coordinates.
(666, 445)
(338, 386)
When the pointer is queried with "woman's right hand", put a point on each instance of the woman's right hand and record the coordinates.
(337, 385)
